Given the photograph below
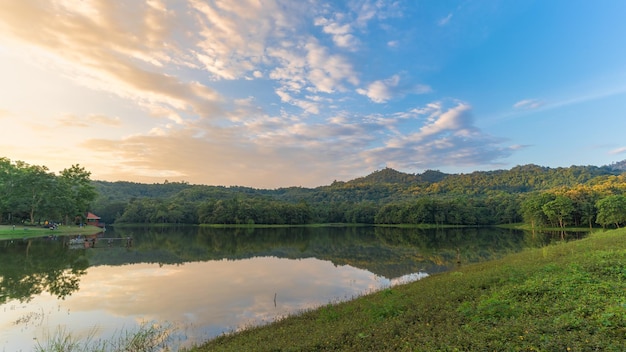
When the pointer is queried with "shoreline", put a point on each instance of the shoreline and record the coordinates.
(565, 296)
(7, 232)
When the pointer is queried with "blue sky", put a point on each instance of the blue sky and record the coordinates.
(300, 93)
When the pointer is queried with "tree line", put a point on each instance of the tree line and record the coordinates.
(539, 196)
(32, 194)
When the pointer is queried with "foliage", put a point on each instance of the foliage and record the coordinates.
(612, 210)
(559, 210)
(538, 195)
(29, 269)
(32, 194)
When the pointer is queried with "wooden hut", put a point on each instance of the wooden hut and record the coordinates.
(94, 220)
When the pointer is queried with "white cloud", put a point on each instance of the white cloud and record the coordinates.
(518, 146)
(384, 90)
(290, 150)
(235, 34)
(380, 91)
(328, 72)
(618, 151)
(448, 139)
(341, 33)
(90, 45)
(90, 120)
(244, 87)
(528, 104)
(444, 21)
(368, 10)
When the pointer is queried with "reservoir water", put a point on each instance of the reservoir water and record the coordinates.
(203, 282)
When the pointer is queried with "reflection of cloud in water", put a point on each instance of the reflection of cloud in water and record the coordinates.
(205, 299)
(405, 279)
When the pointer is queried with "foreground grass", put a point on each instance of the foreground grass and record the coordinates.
(149, 337)
(565, 297)
(7, 232)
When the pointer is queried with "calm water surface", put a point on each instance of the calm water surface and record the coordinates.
(205, 282)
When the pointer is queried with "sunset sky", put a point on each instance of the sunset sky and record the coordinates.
(278, 93)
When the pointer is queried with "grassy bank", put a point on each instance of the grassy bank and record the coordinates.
(7, 232)
(565, 297)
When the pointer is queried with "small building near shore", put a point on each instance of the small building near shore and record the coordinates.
(93, 220)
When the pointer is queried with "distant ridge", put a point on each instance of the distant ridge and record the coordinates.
(618, 166)
(384, 196)
(389, 175)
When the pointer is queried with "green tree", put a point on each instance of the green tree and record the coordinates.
(7, 189)
(559, 210)
(532, 211)
(35, 184)
(611, 210)
(76, 187)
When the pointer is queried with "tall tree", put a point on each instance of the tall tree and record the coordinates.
(7, 186)
(532, 211)
(34, 183)
(611, 210)
(76, 188)
(559, 210)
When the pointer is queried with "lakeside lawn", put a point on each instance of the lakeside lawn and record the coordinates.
(8, 232)
(564, 297)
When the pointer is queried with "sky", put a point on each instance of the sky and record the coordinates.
(281, 93)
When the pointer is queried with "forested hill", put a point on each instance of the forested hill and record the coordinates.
(378, 185)
(384, 196)
(388, 175)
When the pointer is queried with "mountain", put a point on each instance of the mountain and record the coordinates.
(389, 175)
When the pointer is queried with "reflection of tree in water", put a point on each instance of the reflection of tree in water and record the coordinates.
(29, 267)
(387, 251)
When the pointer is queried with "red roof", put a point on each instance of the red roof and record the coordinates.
(92, 216)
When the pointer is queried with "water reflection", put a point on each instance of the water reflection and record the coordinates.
(208, 281)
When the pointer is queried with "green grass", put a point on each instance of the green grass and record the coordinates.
(565, 297)
(149, 337)
(7, 232)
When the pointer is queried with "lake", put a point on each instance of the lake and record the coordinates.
(204, 282)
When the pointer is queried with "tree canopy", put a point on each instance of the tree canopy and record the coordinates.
(540, 196)
(32, 194)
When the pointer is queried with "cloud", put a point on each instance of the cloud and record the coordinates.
(231, 92)
(518, 146)
(90, 43)
(341, 33)
(328, 71)
(528, 104)
(288, 150)
(234, 34)
(384, 90)
(88, 121)
(616, 151)
(309, 67)
(444, 21)
(448, 139)
(369, 10)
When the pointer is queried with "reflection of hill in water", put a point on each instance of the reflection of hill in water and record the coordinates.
(388, 252)
(32, 266)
